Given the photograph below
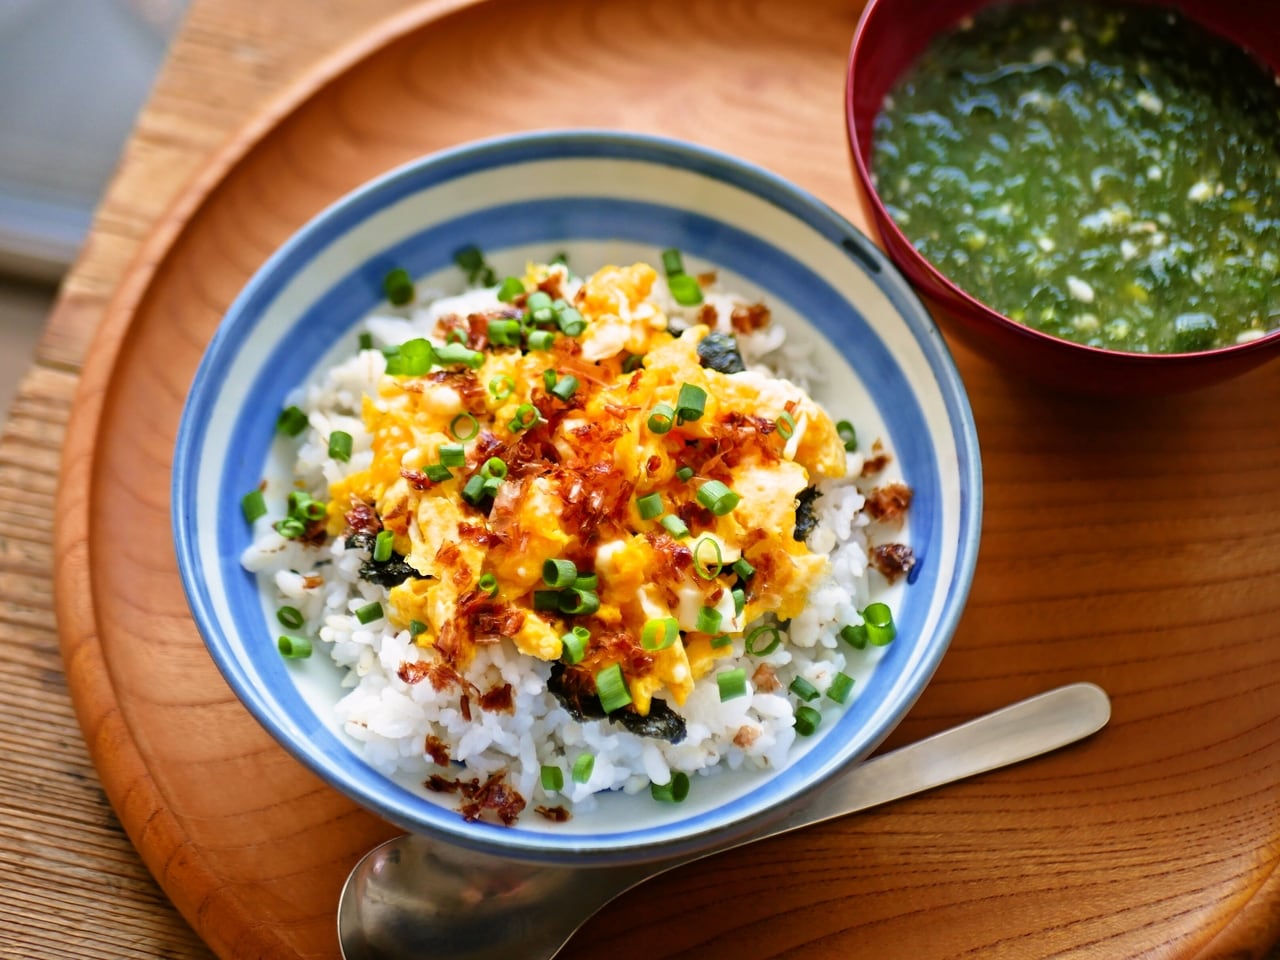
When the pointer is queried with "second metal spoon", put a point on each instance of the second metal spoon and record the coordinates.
(417, 897)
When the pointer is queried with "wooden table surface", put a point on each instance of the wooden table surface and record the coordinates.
(71, 884)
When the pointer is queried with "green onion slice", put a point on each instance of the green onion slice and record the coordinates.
(739, 602)
(658, 634)
(565, 388)
(879, 623)
(294, 648)
(611, 688)
(673, 792)
(253, 505)
(437, 472)
(708, 561)
(786, 425)
(723, 640)
(684, 473)
(559, 573)
(582, 767)
(672, 262)
(546, 599)
(571, 322)
(840, 687)
(383, 546)
(290, 528)
(398, 287)
(453, 455)
(473, 491)
(464, 427)
(504, 332)
(290, 617)
(541, 340)
(685, 290)
(525, 417)
(369, 612)
(675, 526)
(538, 300)
(854, 634)
(650, 506)
(460, 353)
(365, 341)
(579, 603)
(511, 288)
(803, 689)
(732, 684)
(501, 387)
(807, 721)
(763, 640)
(552, 778)
(573, 646)
(717, 498)
(632, 362)
(292, 421)
(414, 358)
(662, 418)
(691, 402)
(849, 436)
(416, 627)
(494, 468)
(586, 581)
(488, 584)
(743, 569)
(708, 620)
(340, 445)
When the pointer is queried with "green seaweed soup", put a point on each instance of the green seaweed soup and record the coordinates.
(1109, 175)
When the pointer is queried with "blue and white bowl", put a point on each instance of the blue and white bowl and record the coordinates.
(602, 197)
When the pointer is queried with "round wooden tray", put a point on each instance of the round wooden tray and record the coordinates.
(1133, 544)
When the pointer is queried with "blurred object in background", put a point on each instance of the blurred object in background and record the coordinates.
(73, 75)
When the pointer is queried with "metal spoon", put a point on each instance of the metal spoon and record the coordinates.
(417, 897)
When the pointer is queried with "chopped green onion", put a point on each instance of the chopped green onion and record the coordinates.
(488, 584)
(561, 257)
(573, 646)
(456, 335)
(717, 498)
(464, 427)
(541, 340)
(565, 388)
(473, 490)
(662, 418)
(672, 262)
(807, 721)
(292, 421)
(290, 528)
(685, 290)
(437, 472)
(504, 332)
(673, 792)
(707, 563)
(552, 778)
(543, 316)
(732, 684)
(658, 634)
(398, 287)
(675, 526)
(365, 341)
(803, 689)
(414, 358)
(611, 688)
(501, 387)
(743, 569)
(739, 602)
(538, 300)
(582, 767)
(383, 546)
(684, 473)
(650, 506)
(632, 362)
(253, 505)
(491, 485)
(855, 635)
(494, 468)
(416, 627)
(841, 685)
(460, 353)
(559, 573)
(763, 640)
(546, 599)
(691, 402)
(340, 445)
(471, 260)
(879, 622)
(290, 617)
(511, 288)
(314, 510)
(294, 648)
(571, 322)
(579, 603)
(526, 416)
(723, 640)
(708, 620)
(586, 581)
(849, 436)
(786, 425)
(453, 455)
(369, 612)
(549, 379)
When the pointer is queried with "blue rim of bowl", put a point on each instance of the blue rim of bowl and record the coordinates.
(353, 208)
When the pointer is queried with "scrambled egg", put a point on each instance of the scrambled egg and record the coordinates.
(575, 467)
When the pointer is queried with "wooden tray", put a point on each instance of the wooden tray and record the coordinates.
(1133, 544)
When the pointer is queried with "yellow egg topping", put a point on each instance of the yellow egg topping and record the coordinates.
(570, 463)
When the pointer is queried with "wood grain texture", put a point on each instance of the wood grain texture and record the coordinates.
(1134, 544)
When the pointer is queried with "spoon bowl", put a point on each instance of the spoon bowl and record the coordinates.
(415, 897)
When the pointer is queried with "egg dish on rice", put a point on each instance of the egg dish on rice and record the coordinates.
(567, 535)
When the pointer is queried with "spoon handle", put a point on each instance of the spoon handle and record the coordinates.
(1014, 733)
